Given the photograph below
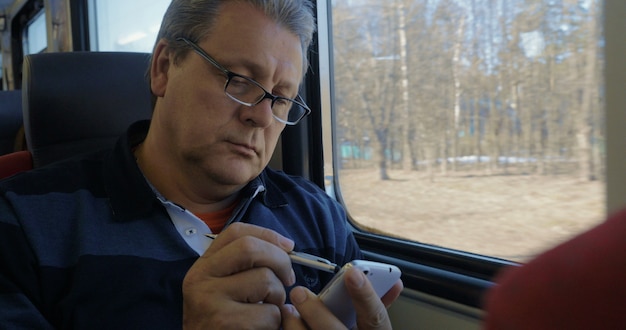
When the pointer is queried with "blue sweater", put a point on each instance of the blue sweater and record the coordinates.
(85, 243)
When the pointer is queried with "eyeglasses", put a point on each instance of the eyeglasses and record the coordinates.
(248, 92)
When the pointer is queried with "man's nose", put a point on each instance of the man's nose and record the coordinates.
(259, 115)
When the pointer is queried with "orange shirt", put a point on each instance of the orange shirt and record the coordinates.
(217, 220)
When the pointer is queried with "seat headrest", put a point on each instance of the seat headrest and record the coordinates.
(79, 102)
(10, 119)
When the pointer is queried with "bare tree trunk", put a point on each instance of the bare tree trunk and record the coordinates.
(457, 91)
(404, 87)
(584, 129)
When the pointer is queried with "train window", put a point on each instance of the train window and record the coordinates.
(35, 38)
(472, 125)
(120, 25)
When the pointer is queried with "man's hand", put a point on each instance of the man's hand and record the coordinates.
(239, 281)
(308, 312)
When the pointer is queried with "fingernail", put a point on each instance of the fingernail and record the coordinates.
(297, 295)
(356, 279)
(285, 243)
(292, 278)
(291, 309)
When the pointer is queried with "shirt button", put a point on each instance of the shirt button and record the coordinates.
(190, 231)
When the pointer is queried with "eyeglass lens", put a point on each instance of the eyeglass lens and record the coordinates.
(247, 92)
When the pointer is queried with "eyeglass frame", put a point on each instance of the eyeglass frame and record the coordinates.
(229, 75)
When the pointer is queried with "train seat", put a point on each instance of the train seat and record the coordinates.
(78, 102)
(15, 162)
(10, 119)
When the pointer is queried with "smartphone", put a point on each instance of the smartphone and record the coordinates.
(335, 295)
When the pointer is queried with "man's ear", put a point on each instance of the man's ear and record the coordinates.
(158, 68)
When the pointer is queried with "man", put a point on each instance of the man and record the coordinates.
(117, 239)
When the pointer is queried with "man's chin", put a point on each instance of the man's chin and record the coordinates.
(236, 175)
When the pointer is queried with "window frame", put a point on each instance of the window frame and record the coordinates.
(462, 276)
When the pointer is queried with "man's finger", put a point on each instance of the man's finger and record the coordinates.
(370, 310)
(291, 319)
(393, 293)
(246, 253)
(312, 311)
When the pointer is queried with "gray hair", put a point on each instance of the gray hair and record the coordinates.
(193, 19)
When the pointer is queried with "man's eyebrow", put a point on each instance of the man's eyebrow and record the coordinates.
(251, 65)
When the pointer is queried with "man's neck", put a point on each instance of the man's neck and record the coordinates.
(183, 187)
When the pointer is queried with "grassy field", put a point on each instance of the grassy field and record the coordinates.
(508, 216)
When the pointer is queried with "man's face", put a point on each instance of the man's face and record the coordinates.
(209, 133)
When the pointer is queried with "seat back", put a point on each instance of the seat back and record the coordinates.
(10, 119)
(79, 102)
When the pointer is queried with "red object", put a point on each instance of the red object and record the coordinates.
(579, 284)
(15, 162)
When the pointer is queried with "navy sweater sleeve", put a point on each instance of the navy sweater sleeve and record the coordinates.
(18, 283)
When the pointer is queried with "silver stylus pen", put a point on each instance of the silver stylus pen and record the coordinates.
(305, 259)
